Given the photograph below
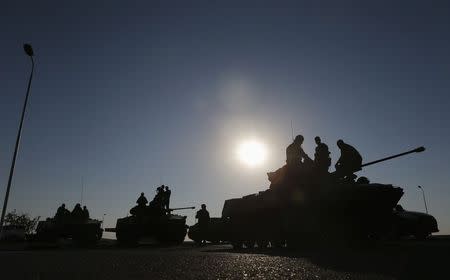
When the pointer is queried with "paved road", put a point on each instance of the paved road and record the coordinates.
(406, 260)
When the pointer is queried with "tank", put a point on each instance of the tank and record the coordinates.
(310, 207)
(151, 222)
(81, 231)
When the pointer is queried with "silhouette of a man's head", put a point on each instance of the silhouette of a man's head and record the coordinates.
(167, 188)
(317, 139)
(299, 139)
(142, 194)
(340, 143)
(203, 206)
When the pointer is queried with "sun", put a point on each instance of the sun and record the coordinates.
(252, 153)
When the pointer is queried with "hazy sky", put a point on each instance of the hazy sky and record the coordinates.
(128, 95)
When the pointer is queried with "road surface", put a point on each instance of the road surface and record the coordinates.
(401, 260)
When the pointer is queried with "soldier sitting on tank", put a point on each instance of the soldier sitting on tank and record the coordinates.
(294, 152)
(77, 213)
(139, 210)
(322, 160)
(62, 212)
(85, 213)
(297, 161)
(349, 162)
(142, 200)
(203, 223)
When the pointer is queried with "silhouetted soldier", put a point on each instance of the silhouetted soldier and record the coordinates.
(77, 212)
(142, 200)
(349, 162)
(85, 213)
(159, 197)
(203, 222)
(294, 152)
(322, 158)
(297, 161)
(62, 212)
(167, 194)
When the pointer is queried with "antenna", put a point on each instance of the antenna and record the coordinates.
(82, 190)
(292, 131)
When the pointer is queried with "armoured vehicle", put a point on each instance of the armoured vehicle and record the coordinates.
(82, 231)
(151, 221)
(303, 208)
(411, 223)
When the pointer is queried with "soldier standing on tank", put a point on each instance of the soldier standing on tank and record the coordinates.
(166, 196)
(203, 223)
(85, 213)
(322, 158)
(159, 197)
(349, 162)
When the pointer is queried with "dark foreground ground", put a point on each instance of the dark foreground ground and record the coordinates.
(396, 260)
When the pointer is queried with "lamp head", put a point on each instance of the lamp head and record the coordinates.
(28, 49)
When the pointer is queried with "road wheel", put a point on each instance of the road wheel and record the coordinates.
(262, 244)
(237, 245)
(277, 243)
(249, 244)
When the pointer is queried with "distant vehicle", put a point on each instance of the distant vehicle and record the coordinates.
(82, 231)
(12, 233)
(411, 223)
(151, 222)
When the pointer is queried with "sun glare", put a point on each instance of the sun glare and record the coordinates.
(252, 153)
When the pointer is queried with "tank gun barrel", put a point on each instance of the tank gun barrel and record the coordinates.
(180, 208)
(416, 150)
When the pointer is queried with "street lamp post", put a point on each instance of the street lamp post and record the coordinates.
(423, 195)
(29, 51)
